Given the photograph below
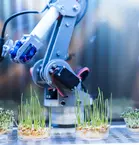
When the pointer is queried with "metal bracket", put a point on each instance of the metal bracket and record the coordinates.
(58, 49)
(49, 65)
(67, 7)
(32, 39)
(6, 47)
(35, 74)
(63, 38)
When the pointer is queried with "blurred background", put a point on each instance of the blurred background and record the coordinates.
(106, 41)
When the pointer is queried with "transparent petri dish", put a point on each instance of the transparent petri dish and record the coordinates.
(33, 135)
(5, 135)
(133, 130)
(91, 135)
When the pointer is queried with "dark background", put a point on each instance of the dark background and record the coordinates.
(106, 41)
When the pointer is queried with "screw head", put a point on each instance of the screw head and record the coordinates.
(50, 82)
(38, 70)
(58, 53)
(75, 7)
(63, 102)
(54, 66)
(62, 7)
(67, 24)
(51, 71)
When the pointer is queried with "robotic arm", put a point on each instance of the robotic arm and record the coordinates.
(26, 48)
(53, 73)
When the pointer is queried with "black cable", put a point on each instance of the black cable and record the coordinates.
(2, 39)
(13, 16)
(31, 12)
(37, 12)
(8, 20)
(1, 46)
(18, 14)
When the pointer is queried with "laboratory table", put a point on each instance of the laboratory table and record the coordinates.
(118, 135)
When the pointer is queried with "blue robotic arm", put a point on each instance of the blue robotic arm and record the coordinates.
(26, 48)
(53, 73)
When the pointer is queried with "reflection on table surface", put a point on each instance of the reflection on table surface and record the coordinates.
(118, 134)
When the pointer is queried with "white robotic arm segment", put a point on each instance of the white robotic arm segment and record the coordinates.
(45, 23)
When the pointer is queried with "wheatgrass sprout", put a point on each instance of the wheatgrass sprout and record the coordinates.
(50, 117)
(78, 108)
(32, 117)
(97, 116)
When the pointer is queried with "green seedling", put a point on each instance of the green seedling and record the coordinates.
(131, 117)
(32, 117)
(96, 115)
(6, 119)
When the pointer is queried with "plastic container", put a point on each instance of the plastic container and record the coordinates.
(6, 125)
(27, 134)
(134, 121)
(133, 131)
(5, 135)
(92, 134)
